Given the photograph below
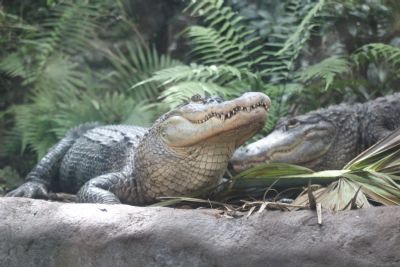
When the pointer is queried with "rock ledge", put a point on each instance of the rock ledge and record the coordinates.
(42, 233)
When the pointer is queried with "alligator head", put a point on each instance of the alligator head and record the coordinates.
(191, 145)
(205, 119)
(303, 140)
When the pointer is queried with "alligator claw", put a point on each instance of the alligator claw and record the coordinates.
(30, 190)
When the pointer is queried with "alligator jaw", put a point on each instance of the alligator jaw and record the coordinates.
(196, 122)
(229, 109)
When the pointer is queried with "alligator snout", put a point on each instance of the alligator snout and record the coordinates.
(245, 158)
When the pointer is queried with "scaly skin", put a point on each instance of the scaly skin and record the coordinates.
(185, 150)
(325, 138)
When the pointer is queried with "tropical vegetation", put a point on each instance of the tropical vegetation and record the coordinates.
(63, 63)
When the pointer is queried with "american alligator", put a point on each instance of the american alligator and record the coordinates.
(185, 150)
(325, 138)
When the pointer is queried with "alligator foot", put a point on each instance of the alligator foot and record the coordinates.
(92, 194)
(30, 189)
(101, 189)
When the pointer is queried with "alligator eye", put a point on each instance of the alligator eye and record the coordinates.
(292, 123)
(196, 98)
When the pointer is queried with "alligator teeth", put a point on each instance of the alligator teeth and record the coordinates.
(234, 111)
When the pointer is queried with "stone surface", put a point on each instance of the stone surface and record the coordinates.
(41, 233)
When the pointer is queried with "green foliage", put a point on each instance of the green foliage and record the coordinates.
(134, 63)
(343, 74)
(70, 29)
(226, 40)
(66, 90)
(221, 74)
(378, 53)
(326, 70)
(183, 91)
(281, 66)
(223, 49)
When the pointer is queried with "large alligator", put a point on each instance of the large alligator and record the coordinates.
(325, 138)
(186, 149)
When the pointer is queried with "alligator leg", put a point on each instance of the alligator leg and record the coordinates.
(40, 178)
(110, 188)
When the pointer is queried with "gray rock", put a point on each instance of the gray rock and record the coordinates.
(41, 233)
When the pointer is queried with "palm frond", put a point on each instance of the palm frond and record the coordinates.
(378, 157)
(336, 196)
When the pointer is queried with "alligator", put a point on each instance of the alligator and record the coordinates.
(187, 149)
(324, 139)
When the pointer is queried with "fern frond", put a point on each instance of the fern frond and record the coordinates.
(378, 52)
(34, 123)
(280, 64)
(112, 108)
(221, 74)
(60, 72)
(13, 66)
(226, 39)
(11, 27)
(302, 32)
(183, 91)
(326, 70)
(69, 29)
(133, 63)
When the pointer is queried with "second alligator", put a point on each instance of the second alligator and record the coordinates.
(325, 139)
